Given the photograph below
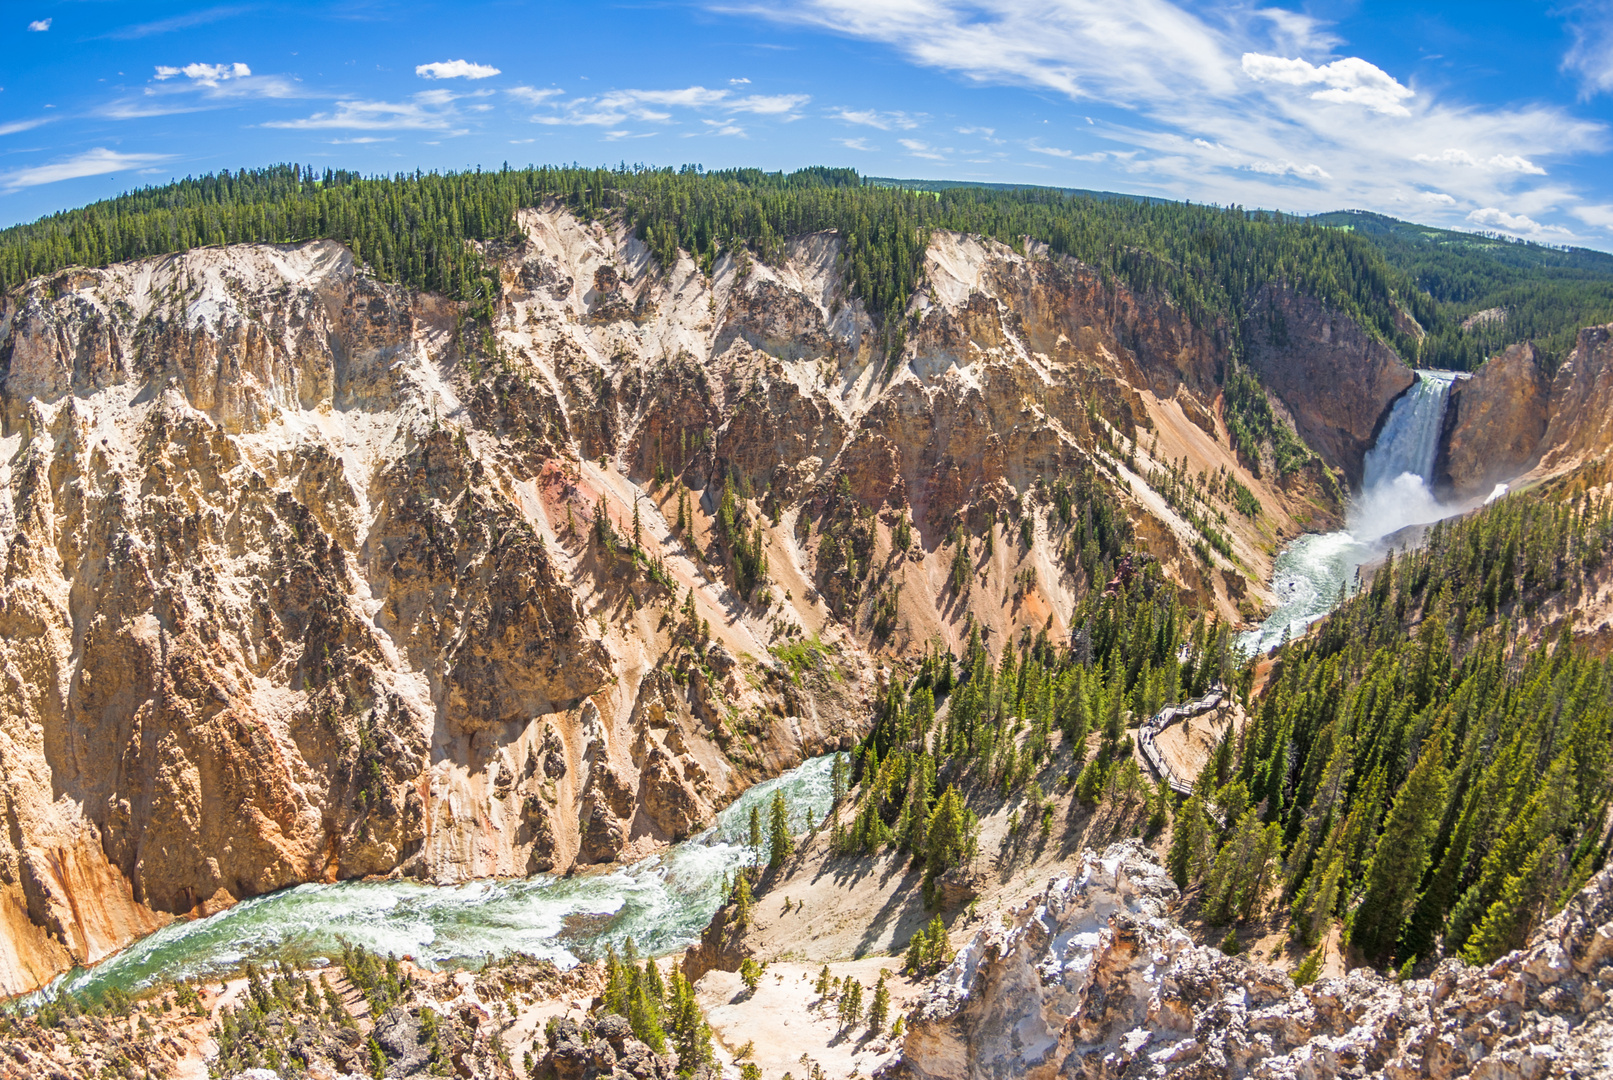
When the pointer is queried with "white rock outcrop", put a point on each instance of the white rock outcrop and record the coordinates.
(1092, 979)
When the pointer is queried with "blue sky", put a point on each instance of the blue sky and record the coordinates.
(1479, 115)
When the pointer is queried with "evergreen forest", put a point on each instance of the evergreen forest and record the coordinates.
(415, 228)
(1417, 770)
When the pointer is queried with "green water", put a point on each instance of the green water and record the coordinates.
(663, 903)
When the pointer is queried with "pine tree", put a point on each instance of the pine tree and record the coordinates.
(879, 1008)
(825, 984)
(1313, 908)
(743, 899)
(753, 833)
(1402, 855)
(779, 842)
(691, 1035)
(1506, 925)
(1186, 857)
(949, 834)
(851, 1003)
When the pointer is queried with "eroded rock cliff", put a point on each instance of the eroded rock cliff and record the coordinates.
(1494, 423)
(1091, 979)
(1336, 379)
(306, 578)
(1513, 422)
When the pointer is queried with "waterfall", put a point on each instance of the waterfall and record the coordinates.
(1314, 571)
(1398, 469)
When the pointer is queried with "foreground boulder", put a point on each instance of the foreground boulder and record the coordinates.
(1092, 979)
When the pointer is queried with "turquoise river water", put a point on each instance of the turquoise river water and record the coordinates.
(663, 903)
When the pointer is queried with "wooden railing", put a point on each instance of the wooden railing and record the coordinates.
(1164, 719)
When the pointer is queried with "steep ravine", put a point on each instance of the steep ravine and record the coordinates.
(300, 582)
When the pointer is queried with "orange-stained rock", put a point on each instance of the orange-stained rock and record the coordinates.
(1494, 423)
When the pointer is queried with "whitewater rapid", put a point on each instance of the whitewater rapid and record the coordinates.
(663, 903)
(1311, 575)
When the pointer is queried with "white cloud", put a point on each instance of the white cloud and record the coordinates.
(616, 107)
(1350, 81)
(431, 114)
(1514, 163)
(1452, 156)
(986, 131)
(738, 82)
(39, 26)
(202, 86)
(14, 126)
(875, 119)
(921, 149)
(1591, 57)
(1288, 168)
(1517, 224)
(1438, 198)
(204, 74)
(97, 162)
(769, 104)
(1068, 155)
(531, 95)
(1500, 162)
(857, 144)
(1235, 103)
(1601, 216)
(455, 69)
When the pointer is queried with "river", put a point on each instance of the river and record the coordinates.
(663, 903)
(1312, 573)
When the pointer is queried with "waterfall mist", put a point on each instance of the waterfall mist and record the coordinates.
(1399, 468)
(1312, 573)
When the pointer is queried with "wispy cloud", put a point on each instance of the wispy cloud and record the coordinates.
(1591, 56)
(455, 69)
(616, 107)
(95, 162)
(177, 22)
(921, 149)
(858, 144)
(1068, 155)
(197, 87)
(39, 26)
(14, 126)
(1499, 162)
(1599, 216)
(431, 111)
(884, 121)
(531, 95)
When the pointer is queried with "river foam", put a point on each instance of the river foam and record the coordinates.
(663, 903)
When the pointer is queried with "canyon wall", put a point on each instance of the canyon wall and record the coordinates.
(1336, 379)
(1512, 422)
(1494, 423)
(307, 579)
